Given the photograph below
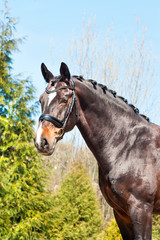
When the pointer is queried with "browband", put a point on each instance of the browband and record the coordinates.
(57, 89)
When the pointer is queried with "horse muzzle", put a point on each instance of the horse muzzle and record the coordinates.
(44, 147)
(46, 137)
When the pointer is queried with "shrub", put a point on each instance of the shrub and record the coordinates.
(112, 231)
(76, 209)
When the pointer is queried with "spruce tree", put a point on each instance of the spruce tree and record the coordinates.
(24, 204)
(77, 213)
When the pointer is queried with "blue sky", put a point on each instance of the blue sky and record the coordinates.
(50, 24)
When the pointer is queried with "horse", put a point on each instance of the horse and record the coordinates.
(125, 144)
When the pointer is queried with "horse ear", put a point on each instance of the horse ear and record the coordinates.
(46, 73)
(64, 71)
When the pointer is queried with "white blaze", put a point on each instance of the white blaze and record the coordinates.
(51, 96)
(39, 133)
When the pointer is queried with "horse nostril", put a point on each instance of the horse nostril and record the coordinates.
(44, 143)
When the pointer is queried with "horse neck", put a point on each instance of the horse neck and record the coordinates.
(104, 121)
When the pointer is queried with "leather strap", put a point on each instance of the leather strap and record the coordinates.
(51, 119)
(59, 88)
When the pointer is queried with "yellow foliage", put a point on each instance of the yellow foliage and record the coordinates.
(112, 231)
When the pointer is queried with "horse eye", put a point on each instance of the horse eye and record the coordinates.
(64, 100)
(52, 83)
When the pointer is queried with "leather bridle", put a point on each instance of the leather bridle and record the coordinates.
(56, 121)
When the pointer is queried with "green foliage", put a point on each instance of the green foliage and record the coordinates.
(76, 210)
(24, 203)
(27, 210)
(156, 227)
(8, 44)
(112, 231)
(23, 200)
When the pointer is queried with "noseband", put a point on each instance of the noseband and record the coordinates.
(55, 121)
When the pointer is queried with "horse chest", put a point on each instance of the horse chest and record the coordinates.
(108, 188)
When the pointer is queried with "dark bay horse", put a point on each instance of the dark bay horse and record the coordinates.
(125, 144)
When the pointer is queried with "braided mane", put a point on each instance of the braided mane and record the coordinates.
(104, 89)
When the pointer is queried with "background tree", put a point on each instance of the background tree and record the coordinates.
(24, 203)
(112, 231)
(28, 207)
(156, 227)
(76, 210)
(127, 69)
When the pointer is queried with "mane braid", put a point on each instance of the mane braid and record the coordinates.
(113, 92)
(145, 117)
(136, 110)
(104, 88)
(94, 83)
(122, 98)
(80, 78)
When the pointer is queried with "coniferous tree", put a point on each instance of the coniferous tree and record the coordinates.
(24, 204)
(77, 213)
(112, 231)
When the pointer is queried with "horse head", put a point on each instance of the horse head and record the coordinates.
(59, 109)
